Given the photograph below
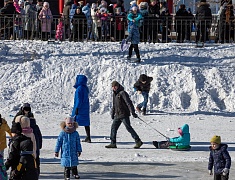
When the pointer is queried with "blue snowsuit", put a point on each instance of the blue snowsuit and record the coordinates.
(81, 108)
(70, 145)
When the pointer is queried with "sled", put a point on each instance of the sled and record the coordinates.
(180, 148)
(124, 45)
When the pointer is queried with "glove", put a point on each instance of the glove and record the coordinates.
(56, 154)
(135, 115)
(167, 138)
(112, 115)
(225, 171)
(79, 154)
(210, 172)
(76, 112)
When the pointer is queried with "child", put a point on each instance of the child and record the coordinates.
(134, 18)
(120, 25)
(27, 167)
(14, 149)
(94, 18)
(27, 131)
(104, 16)
(3, 173)
(59, 30)
(143, 86)
(219, 158)
(180, 142)
(69, 143)
(3, 129)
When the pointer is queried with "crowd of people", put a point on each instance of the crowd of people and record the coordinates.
(104, 21)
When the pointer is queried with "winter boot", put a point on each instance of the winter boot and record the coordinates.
(144, 111)
(111, 146)
(138, 144)
(155, 143)
(138, 109)
(67, 173)
(87, 139)
(75, 172)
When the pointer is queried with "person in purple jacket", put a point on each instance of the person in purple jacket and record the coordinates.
(219, 159)
(81, 108)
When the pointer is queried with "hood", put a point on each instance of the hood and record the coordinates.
(121, 88)
(221, 147)
(185, 129)
(80, 80)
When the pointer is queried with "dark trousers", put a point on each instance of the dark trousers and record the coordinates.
(221, 177)
(67, 171)
(136, 49)
(116, 124)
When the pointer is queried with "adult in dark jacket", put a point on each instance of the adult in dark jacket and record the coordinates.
(8, 10)
(153, 20)
(14, 150)
(219, 159)
(181, 23)
(27, 168)
(66, 13)
(142, 86)
(24, 110)
(203, 19)
(81, 108)
(122, 108)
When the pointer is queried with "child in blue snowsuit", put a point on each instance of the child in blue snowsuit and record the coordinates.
(219, 159)
(180, 142)
(134, 18)
(69, 144)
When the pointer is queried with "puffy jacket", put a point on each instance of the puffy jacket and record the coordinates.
(122, 105)
(139, 86)
(183, 140)
(3, 129)
(219, 158)
(81, 108)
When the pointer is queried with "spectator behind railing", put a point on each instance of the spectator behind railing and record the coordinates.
(19, 21)
(181, 23)
(95, 34)
(46, 19)
(8, 11)
(143, 7)
(39, 7)
(203, 20)
(119, 4)
(66, 12)
(30, 19)
(119, 18)
(103, 16)
(87, 11)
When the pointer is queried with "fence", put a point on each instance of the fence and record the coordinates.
(152, 29)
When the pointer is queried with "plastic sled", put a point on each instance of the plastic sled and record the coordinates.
(180, 148)
(124, 45)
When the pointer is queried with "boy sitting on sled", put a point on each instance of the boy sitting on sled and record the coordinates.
(181, 142)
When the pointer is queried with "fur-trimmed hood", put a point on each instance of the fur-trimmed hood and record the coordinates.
(63, 125)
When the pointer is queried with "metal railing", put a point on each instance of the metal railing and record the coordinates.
(152, 29)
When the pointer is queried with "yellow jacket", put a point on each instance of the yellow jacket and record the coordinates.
(3, 129)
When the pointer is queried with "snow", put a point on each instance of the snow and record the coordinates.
(190, 85)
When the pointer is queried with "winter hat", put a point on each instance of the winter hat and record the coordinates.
(134, 8)
(93, 5)
(21, 2)
(203, 0)
(69, 120)
(115, 83)
(143, 5)
(45, 4)
(23, 120)
(16, 128)
(132, 3)
(152, 1)
(26, 107)
(216, 139)
(180, 131)
(143, 78)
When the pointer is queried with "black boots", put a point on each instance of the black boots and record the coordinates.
(144, 111)
(67, 173)
(74, 172)
(88, 136)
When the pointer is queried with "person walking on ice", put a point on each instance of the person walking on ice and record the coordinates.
(142, 86)
(219, 159)
(122, 107)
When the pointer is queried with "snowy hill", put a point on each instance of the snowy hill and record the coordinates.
(191, 85)
(186, 79)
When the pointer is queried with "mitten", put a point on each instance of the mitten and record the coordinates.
(135, 115)
(225, 171)
(210, 172)
(56, 154)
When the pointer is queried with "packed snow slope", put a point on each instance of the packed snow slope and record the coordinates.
(185, 78)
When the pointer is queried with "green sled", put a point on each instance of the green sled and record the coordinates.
(180, 148)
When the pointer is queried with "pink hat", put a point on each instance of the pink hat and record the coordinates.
(180, 131)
